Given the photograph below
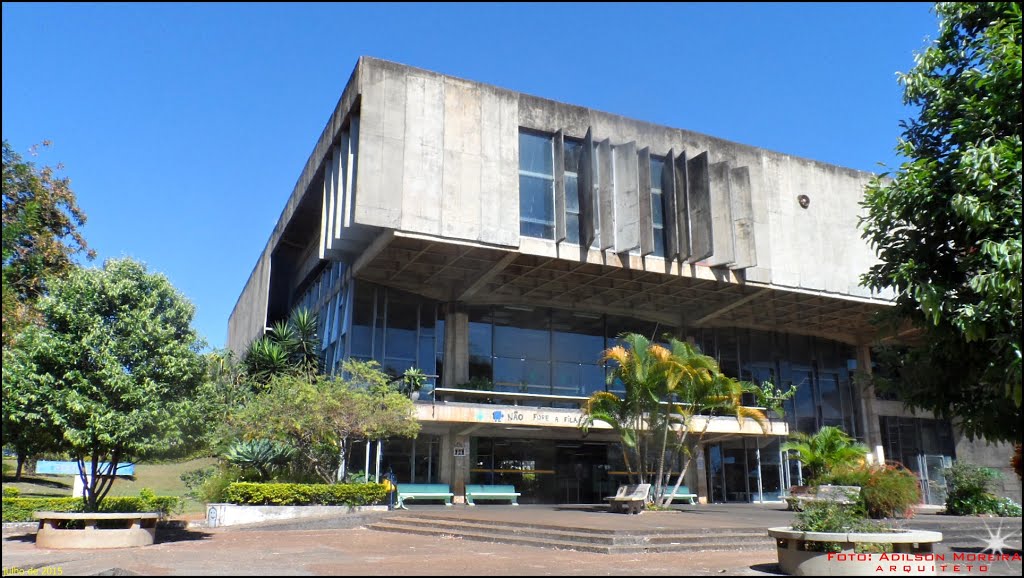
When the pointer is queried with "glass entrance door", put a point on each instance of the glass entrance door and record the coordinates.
(933, 478)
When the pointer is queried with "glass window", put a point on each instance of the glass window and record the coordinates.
(572, 191)
(657, 206)
(536, 186)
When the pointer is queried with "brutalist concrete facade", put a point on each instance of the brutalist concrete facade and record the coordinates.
(414, 185)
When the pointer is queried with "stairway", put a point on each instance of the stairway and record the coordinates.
(576, 538)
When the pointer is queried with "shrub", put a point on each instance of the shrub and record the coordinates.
(305, 494)
(1006, 508)
(967, 490)
(891, 491)
(827, 516)
(20, 509)
(11, 492)
(885, 491)
(194, 480)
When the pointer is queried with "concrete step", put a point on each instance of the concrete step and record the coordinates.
(582, 539)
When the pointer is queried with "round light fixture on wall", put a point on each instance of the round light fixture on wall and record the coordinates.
(804, 201)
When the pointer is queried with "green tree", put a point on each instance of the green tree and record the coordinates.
(24, 407)
(117, 362)
(321, 415)
(947, 224)
(822, 453)
(40, 235)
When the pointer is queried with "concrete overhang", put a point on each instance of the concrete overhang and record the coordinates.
(676, 295)
(520, 421)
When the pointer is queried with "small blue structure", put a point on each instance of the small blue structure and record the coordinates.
(55, 468)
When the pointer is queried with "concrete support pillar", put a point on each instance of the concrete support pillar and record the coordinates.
(871, 427)
(701, 471)
(456, 346)
(454, 469)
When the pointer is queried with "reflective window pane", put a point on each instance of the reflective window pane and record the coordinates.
(572, 155)
(572, 228)
(535, 153)
(572, 194)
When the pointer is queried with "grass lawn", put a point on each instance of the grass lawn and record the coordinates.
(164, 479)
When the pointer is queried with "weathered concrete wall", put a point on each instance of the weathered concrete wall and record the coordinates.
(249, 316)
(438, 155)
(995, 456)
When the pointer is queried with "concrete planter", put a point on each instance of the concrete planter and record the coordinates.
(911, 555)
(130, 530)
(218, 515)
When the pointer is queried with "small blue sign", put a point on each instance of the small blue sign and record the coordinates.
(497, 415)
(54, 468)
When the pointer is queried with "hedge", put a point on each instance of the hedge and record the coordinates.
(20, 509)
(305, 494)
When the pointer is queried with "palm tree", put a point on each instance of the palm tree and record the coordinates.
(634, 367)
(825, 451)
(288, 347)
(665, 388)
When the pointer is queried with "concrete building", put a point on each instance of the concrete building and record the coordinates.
(500, 241)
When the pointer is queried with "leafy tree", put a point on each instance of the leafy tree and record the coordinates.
(825, 451)
(947, 225)
(24, 406)
(116, 361)
(40, 235)
(321, 415)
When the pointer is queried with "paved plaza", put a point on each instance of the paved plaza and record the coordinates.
(340, 546)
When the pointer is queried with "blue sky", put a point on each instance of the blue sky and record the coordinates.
(184, 127)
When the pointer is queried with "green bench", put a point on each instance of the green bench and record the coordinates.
(481, 492)
(423, 492)
(683, 494)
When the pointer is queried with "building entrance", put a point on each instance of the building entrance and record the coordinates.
(544, 471)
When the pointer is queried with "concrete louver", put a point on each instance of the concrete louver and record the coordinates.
(708, 206)
(627, 198)
(338, 193)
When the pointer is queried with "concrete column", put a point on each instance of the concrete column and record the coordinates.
(454, 470)
(872, 429)
(456, 346)
(701, 470)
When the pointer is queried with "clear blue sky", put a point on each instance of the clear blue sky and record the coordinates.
(184, 127)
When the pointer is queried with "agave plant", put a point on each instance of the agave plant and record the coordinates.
(262, 455)
(289, 347)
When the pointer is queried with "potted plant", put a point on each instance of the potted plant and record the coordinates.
(834, 539)
(412, 382)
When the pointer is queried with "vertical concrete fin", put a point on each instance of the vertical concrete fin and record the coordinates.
(677, 174)
(351, 173)
(325, 231)
(559, 168)
(742, 218)
(668, 195)
(606, 192)
(627, 207)
(646, 222)
(698, 204)
(721, 216)
(586, 185)
(337, 162)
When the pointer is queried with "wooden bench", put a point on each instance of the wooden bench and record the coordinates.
(131, 529)
(629, 499)
(423, 492)
(800, 495)
(683, 494)
(481, 492)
